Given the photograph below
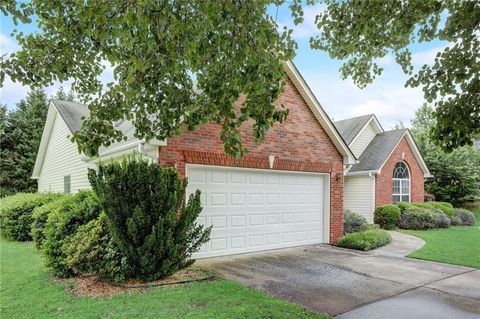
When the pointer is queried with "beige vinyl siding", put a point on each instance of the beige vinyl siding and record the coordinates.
(361, 142)
(61, 159)
(360, 195)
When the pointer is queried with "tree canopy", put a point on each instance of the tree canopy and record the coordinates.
(20, 135)
(456, 175)
(19, 141)
(361, 32)
(188, 62)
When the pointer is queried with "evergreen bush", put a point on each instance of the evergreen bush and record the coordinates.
(16, 214)
(467, 217)
(352, 222)
(149, 219)
(387, 216)
(63, 223)
(91, 251)
(40, 215)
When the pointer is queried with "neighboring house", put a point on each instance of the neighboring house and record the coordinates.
(288, 191)
(390, 167)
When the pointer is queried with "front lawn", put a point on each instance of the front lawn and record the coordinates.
(455, 245)
(27, 291)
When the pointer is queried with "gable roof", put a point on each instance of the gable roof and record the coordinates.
(381, 147)
(319, 112)
(349, 128)
(72, 113)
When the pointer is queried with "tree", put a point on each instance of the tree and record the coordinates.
(174, 62)
(456, 175)
(19, 143)
(189, 62)
(360, 32)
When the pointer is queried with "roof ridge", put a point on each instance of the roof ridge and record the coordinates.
(356, 117)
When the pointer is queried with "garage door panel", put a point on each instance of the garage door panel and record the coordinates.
(252, 210)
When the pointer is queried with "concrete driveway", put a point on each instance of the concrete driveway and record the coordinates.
(352, 284)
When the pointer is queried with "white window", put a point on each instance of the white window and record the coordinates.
(401, 183)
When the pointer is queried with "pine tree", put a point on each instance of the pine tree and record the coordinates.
(20, 138)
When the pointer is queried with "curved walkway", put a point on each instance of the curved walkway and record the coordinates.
(401, 245)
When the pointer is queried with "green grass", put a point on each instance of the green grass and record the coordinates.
(455, 245)
(27, 291)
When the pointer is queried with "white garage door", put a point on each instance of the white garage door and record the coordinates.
(252, 209)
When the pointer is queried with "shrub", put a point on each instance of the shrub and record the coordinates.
(404, 205)
(455, 221)
(40, 215)
(148, 218)
(352, 222)
(387, 216)
(423, 218)
(16, 214)
(92, 251)
(366, 240)
(467, 217)
(442, 220)
(62, 223)
(446, 208)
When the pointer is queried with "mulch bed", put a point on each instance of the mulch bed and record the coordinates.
(94, 287)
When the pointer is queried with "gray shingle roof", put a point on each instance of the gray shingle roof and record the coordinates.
(349, 128)
(378, 151)
(72, 113)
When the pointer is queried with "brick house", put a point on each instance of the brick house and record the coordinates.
(390, 167)
(288, 191)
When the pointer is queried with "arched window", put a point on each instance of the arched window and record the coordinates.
(401, 183)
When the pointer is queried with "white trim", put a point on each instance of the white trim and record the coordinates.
(326, 187)
(377, 171)
(47, 131)
(416, 153)
(318, 111)
(403, 179)
(379, 128)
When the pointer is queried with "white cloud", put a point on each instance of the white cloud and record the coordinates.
(387, 97)
(7, 44)
(308, 28)
(427, 56)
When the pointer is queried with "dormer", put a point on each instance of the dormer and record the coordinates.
(359, 131)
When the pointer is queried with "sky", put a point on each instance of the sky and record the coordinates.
(387, 97)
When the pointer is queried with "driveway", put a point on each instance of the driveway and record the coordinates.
(352, 284)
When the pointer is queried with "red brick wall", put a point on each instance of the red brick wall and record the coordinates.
(299, 144)
(383, 187)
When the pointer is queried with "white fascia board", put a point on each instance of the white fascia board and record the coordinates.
(363, 173)
(123, 149)
(52, 113)
(373, 120)
(297, 79)
(418, 155)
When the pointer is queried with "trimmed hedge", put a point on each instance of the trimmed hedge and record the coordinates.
(352, 222)
(63, 223)
(387, 216)
(16, 214)
(365, 240)
(40, 216)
